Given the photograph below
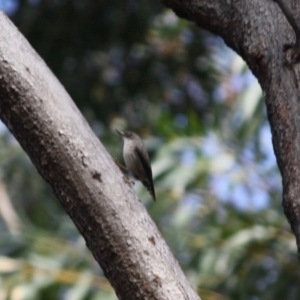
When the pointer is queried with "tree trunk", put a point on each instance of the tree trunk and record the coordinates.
(261, 31)
(114, 223)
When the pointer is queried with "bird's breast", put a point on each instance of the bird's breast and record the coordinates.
(131, 160)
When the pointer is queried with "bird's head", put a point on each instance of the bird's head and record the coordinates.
(127, 135)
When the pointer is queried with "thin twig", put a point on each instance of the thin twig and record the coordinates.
(295, 56)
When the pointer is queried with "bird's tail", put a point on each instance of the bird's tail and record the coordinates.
(150, 187)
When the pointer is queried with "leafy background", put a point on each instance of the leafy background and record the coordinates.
(135, 65)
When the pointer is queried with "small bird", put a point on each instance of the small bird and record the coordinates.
(137, 159)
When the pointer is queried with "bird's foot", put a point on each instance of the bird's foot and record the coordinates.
(119, 164)
(128, 180)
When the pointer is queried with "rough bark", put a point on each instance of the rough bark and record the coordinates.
(259, 30)
(114, 223)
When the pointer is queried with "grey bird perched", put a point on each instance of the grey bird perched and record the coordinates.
(137, 159)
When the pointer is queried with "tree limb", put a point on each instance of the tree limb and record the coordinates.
(258, 30)
(114, 223)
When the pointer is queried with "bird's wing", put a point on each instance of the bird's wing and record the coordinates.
(147, 167)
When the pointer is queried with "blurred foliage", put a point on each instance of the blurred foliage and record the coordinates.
(135, 65)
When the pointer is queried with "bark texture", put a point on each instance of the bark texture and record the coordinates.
(115, 225)
(258, 30)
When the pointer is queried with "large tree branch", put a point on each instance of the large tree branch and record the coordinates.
(115, 225)
(258, 30)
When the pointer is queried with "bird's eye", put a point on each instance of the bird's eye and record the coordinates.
(128, 134)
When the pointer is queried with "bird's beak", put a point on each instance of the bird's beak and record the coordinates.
(121, 133)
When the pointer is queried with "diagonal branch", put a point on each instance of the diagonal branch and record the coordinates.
(115, 225)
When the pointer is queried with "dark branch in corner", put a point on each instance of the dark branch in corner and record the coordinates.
(295, 55)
